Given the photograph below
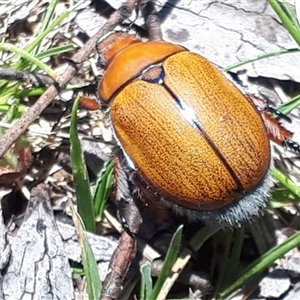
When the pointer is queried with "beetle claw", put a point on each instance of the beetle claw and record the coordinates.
(292, 145)
(278, 113)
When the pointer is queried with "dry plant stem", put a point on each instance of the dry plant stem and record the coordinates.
(131, 219)
(151, 19)
(24, 76)
(23, 123)
(119, 265)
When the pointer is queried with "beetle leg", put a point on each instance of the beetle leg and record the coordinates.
(128, 212)
(151, 198)
(277, 133)
(130, 218)
(278, 113)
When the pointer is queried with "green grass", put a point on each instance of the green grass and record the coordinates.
(30, 58)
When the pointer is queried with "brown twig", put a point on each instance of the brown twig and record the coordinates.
(119, 265)
(32, 78)
(151, 18)
(130, 217)
(23, 123)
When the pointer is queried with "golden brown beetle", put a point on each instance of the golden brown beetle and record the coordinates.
(191, 140)
(188, 140)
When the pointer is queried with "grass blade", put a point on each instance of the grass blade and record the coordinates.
(103, 190)
(146, 282)
(81, 179)
(90, 268)
(94, 284)
(286, 20)
(169, 262)
(262, 263)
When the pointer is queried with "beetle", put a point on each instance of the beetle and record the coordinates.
(188, 138)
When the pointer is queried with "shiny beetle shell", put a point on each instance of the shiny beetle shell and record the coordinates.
(188, 131)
